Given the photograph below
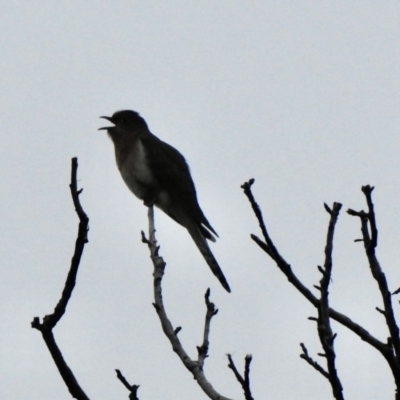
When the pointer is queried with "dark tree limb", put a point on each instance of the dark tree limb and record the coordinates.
(194, 366)
(325, 333)
(323, 322)
(268, 246)
(50, 321)
(132, 388)
(370, 238)
(245, 379)
(281, 263)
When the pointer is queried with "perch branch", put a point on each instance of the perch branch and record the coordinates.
(194, 366)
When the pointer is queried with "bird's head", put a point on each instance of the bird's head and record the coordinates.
(125, 121)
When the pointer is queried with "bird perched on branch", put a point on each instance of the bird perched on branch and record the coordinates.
(158, 174)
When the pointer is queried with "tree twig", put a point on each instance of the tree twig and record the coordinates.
(132, 388)
(245, 379)
(305, 356)
(50, 321)
(211, 312)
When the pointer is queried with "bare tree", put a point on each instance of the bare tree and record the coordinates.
(390, 350)
(194, 366)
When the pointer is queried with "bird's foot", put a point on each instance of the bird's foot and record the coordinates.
(149, 202)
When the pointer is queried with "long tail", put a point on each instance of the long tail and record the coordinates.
(202, 245)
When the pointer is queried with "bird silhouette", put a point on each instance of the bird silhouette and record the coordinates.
(159, 175)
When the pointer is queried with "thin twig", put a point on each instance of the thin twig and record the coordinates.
(50, 321)
(313, 363)
(211, 312)
(132, 388)
(245, 379)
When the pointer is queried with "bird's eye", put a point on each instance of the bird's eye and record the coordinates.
(121, 121)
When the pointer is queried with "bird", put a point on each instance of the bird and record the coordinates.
(159, 175)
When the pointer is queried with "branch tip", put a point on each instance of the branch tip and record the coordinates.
(327, 208)
(247, 185)
(367, 189)
(132, 388)
(177, 330)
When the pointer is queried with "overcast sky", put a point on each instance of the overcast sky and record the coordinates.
(302, 96)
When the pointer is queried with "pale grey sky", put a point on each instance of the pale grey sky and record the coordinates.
(302, 96)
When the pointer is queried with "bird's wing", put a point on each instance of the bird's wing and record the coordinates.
(171, 171)
(168, 166)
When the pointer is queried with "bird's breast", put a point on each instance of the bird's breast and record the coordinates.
(136, 172)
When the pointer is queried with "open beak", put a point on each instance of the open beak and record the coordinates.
(106, 127)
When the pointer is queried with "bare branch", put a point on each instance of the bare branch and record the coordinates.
(272, 250)
(159, 268)
(132, 388)
(245, 379)
(50, 321)
(313, 363)
(370, 238)
(269, 247)
(211, 312)
(324, 327)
